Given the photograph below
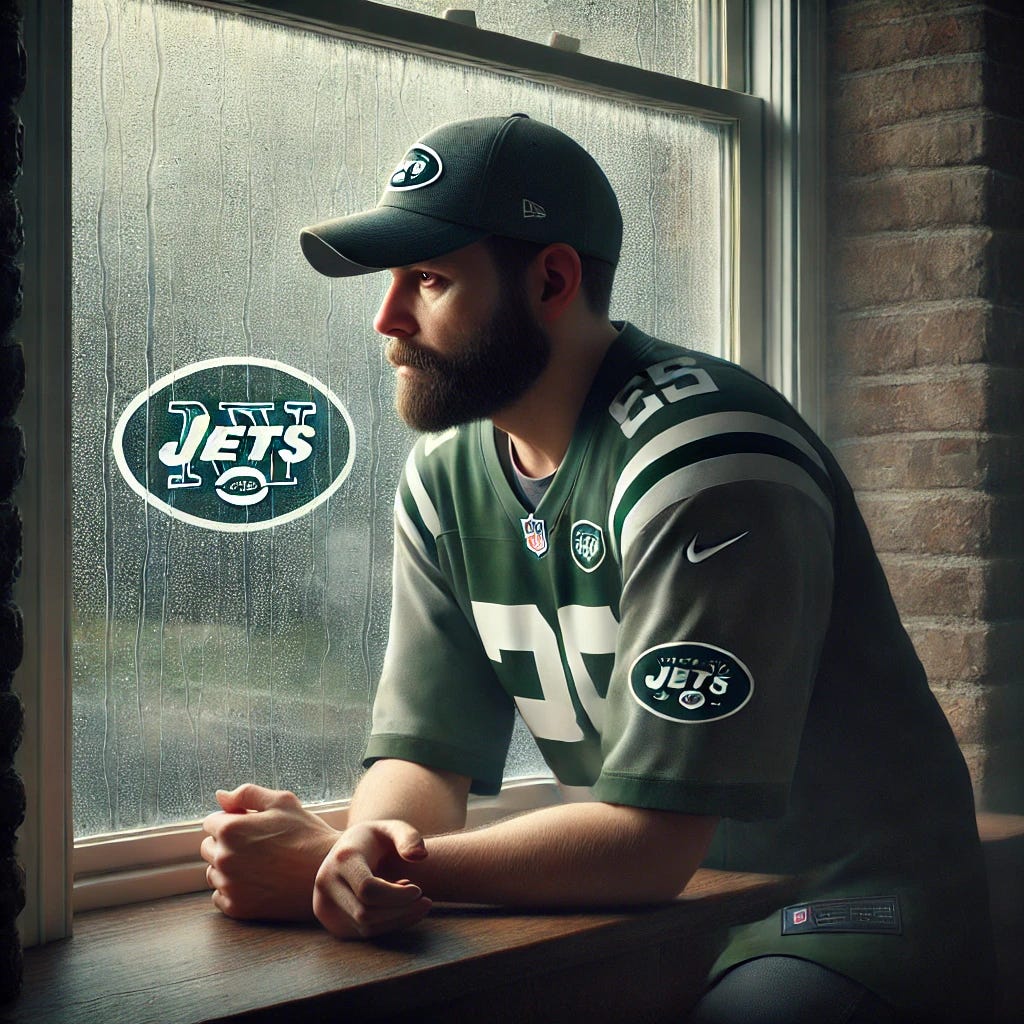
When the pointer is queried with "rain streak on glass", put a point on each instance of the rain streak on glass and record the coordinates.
(201, 143)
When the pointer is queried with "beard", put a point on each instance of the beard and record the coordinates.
(488, 369)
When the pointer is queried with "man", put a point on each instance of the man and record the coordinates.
(649, 553)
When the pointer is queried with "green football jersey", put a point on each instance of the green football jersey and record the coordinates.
(694, 619)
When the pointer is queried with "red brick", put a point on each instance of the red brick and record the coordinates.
(944, 334)
(943, 197)
(949, 522)
(967, 137)
(878, 270)
(930, 143)
(864, 102)
(879, 37)
(871, 12)
(980, 714)
(972, 652)
(965, 707)
(976, 757)
(976, 588)
(887, 463)
(971, 398)
(878, 406)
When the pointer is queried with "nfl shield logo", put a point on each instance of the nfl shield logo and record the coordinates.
(536, 534)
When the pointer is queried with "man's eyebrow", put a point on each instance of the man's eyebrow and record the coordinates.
(430, 264)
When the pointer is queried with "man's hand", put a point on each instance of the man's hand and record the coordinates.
(263, 852)
(354, 896)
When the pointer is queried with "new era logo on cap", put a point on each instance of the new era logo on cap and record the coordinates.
(533, 210)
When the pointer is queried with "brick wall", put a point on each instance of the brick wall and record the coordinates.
(12, 457)
(926, 389)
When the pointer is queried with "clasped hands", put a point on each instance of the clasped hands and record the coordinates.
(270, 859)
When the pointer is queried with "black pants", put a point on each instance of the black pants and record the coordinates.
(787, 990)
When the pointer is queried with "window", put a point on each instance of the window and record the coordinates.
(201, 140)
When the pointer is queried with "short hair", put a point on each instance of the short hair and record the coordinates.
(513, 255)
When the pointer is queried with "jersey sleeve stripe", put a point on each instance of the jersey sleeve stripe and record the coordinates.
(703, 427)
(404, 522)
(713, 447)
(425, 507)
(724, 469)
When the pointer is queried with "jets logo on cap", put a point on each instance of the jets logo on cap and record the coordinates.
(420, 166)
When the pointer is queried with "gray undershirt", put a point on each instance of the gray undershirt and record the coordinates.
(529, 489)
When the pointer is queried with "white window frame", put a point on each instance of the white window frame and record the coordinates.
(766, 55)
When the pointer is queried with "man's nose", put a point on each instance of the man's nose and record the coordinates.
(394, 318)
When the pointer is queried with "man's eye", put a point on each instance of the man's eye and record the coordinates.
(429, 279)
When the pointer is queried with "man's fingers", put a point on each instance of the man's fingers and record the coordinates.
(407, 841)
(346, 871)
(352, 920)
(379, 892)
(250, 797)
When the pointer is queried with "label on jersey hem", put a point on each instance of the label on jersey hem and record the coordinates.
(877, 915)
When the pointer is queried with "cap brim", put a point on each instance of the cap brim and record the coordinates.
(377, 239)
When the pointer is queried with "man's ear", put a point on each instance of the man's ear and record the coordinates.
(555, 279)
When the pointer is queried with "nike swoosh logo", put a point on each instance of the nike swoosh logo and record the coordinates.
(696, 556)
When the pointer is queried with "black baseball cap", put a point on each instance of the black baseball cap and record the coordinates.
(463, 181)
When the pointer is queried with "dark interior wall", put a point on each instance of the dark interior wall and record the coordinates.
(926, 284)
(12, 460)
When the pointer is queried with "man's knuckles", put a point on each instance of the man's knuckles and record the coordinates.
(224, 859)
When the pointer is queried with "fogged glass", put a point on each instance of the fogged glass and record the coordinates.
(656, 35)
(202, 143)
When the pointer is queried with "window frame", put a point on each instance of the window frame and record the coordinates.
(775, 208)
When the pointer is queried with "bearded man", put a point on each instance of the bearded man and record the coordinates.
(647, 553)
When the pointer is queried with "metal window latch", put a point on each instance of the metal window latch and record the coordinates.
(461, 16)
(558, 41)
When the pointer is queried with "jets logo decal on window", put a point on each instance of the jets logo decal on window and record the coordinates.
(235, 444)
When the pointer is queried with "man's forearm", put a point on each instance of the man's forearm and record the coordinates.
(570, 855)
(430, 800)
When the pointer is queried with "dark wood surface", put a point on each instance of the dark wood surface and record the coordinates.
(178, 961)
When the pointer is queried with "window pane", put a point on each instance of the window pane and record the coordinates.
(202, 142)
(656, 35)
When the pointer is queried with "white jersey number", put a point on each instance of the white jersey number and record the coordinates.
(521, 627)
(671, 380)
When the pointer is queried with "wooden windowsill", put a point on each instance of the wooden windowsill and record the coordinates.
(178, 961)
